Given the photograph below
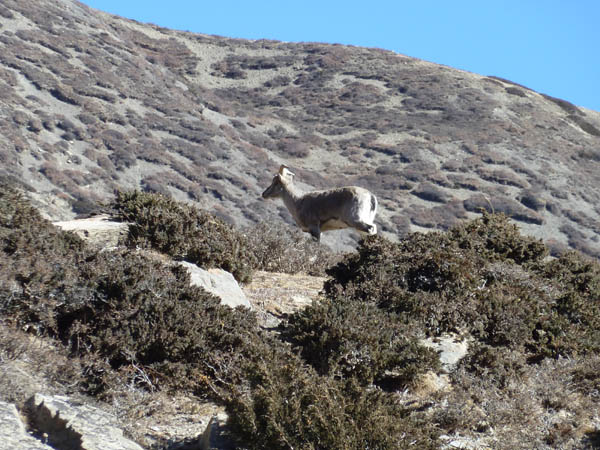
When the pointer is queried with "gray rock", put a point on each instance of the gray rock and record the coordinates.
(13, 434)
(463, 442)
(451, 348)
(71, 425)
(218, 282)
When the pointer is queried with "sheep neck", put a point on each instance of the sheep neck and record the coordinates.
(291, 195)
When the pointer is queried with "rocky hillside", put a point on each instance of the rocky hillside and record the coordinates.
(91, 103)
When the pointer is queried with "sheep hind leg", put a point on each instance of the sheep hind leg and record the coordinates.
(364, 227)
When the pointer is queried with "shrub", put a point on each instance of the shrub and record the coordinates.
(575, 273)
(502, 176)
(515, 91)
(502, 205)
(128, 314)
(482, 277)
(351, 339)
(23, 231)
(588, 128)
(566, 106)
(576, 324)
(31, 250)
(120, 310)
(183, 232)
(388, 273)
(287, 405)
(494, 237)
(586, 376)
(429, 192)
(498, 365)
(130, 309)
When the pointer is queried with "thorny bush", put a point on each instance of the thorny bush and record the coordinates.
(481, 277)
(353, 339)
(183, 232)
(283, 404)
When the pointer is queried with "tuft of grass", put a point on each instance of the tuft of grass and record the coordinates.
(279, 248)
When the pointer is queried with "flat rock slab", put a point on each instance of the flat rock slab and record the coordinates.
(219, 283)
(71, 425)
(98, 230)
(13, 434)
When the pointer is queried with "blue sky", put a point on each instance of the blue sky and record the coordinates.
(551, 46)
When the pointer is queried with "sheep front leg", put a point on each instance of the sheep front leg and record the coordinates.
(315, 232)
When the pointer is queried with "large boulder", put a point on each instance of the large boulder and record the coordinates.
(218, 282)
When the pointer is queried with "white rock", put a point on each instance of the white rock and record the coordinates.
(97, 229)
(451, 348)
(218, 282)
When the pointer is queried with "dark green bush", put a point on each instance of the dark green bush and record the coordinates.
(31, 251)
(183, 232)
(574, 273)
(25, 233)
(285, 405)
(506, 311)
(390, 274)
(140, 311)
(497, 365)
(121, 307)
(482, 277)
(435, 262)
(352, 339)
(130, 310)
(494, 237)
(575, 280)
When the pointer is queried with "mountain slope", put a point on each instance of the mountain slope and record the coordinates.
(92, 103)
